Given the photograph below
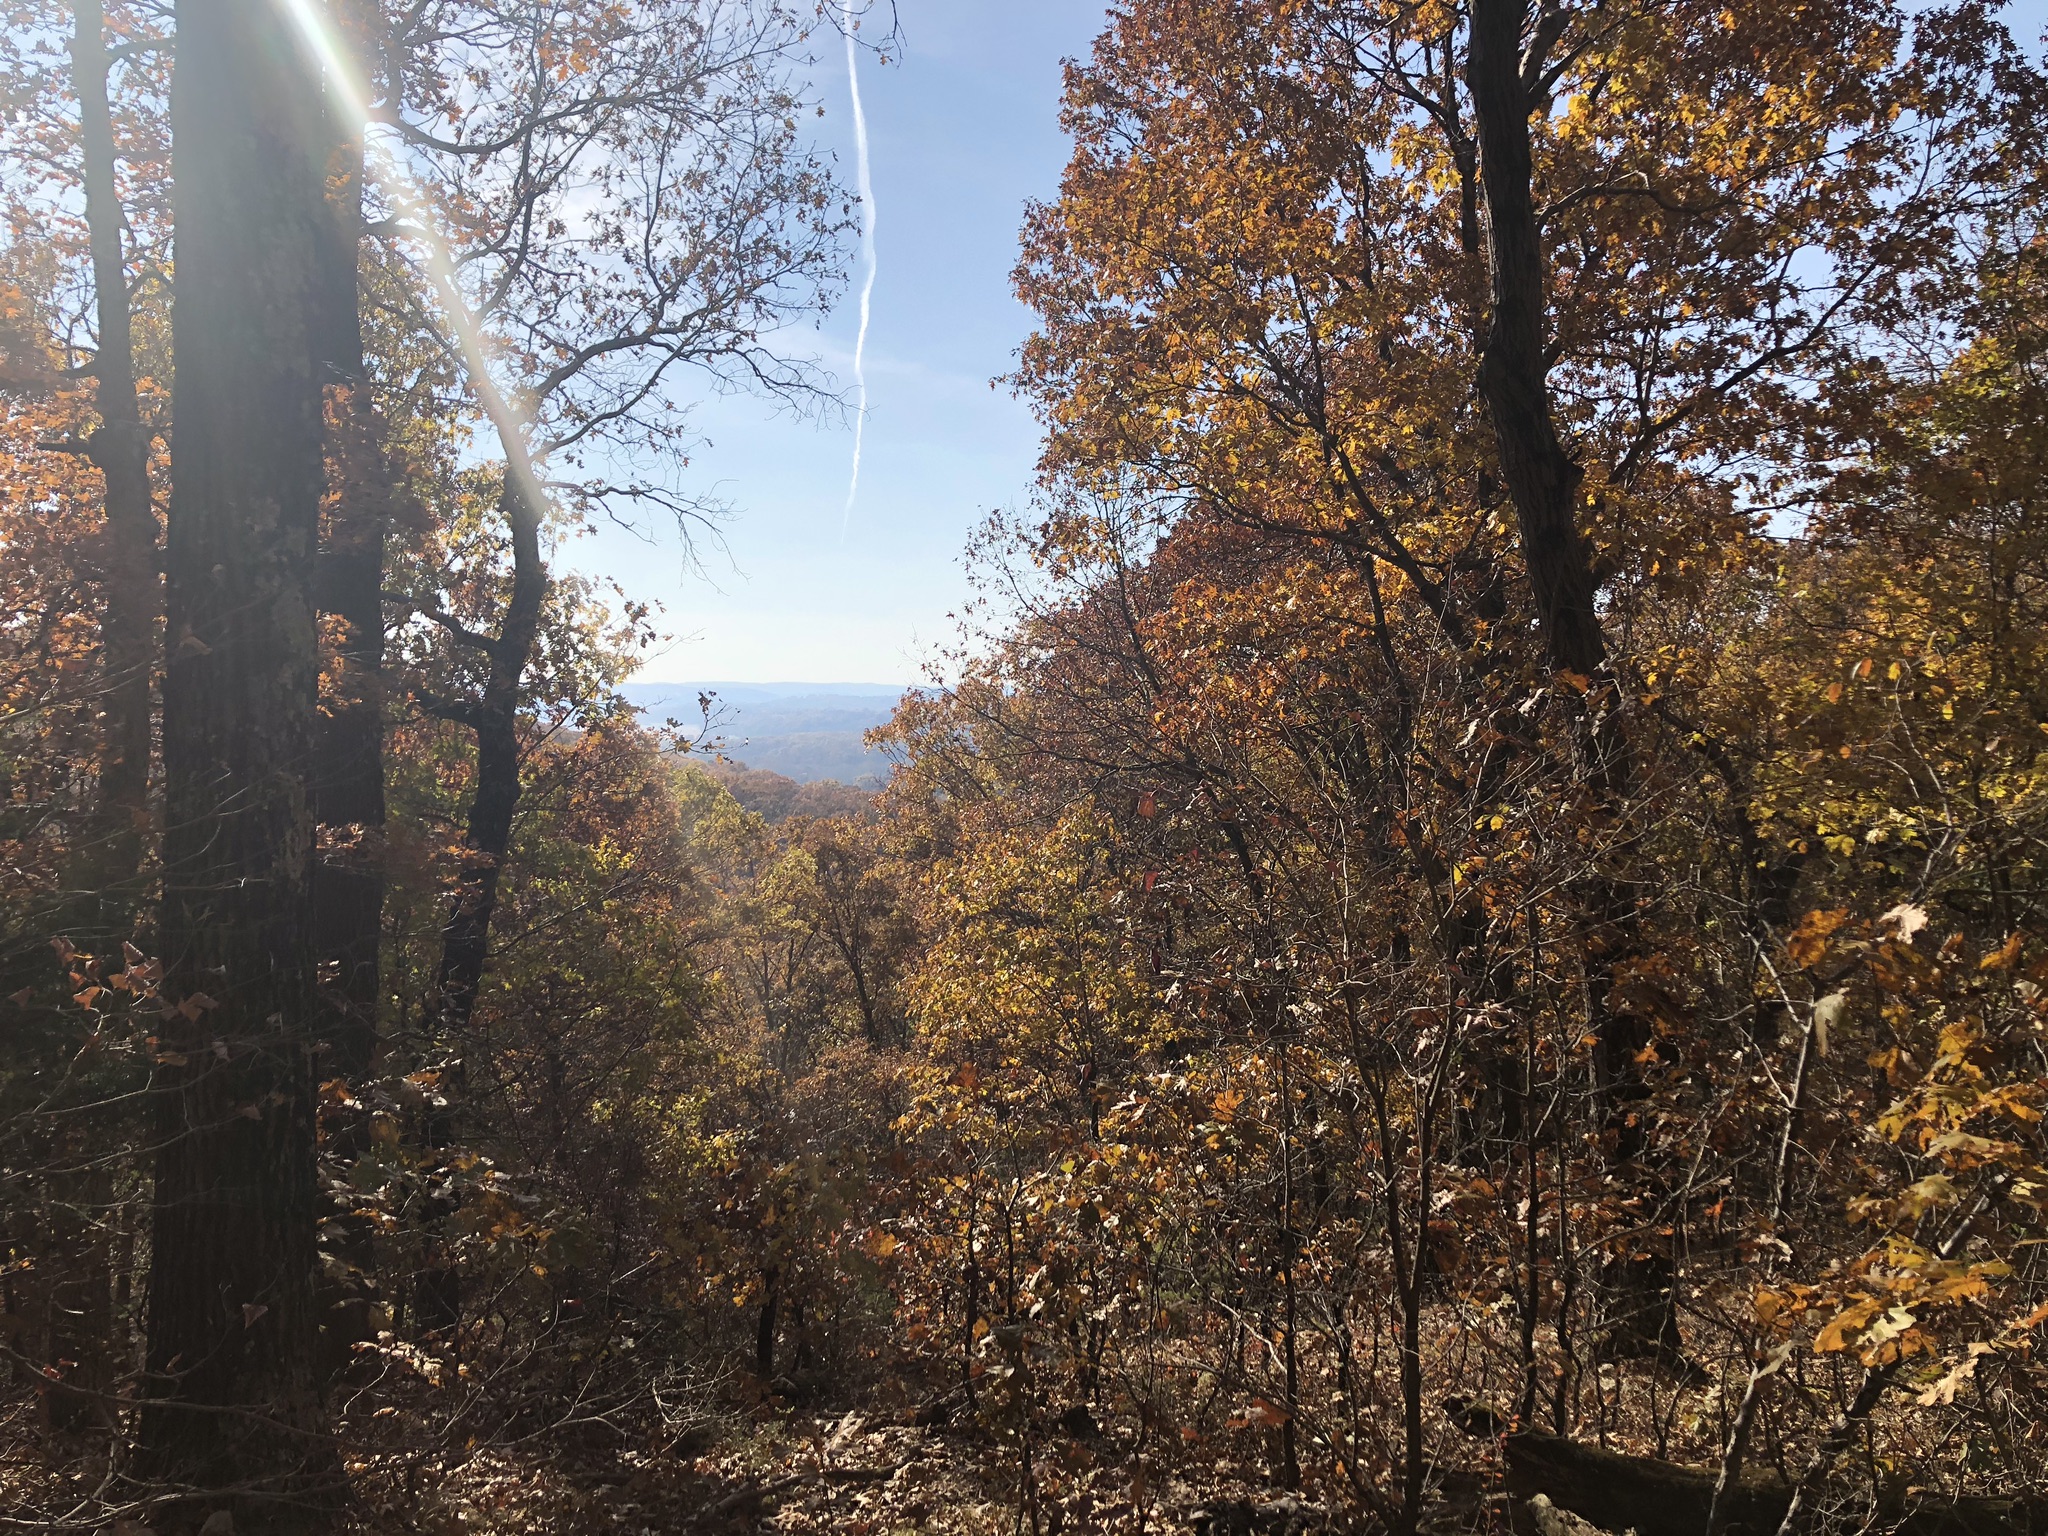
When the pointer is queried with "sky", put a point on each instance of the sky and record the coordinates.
(963, 130)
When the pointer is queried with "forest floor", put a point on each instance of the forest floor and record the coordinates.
(854, 1477)
(851, 1474)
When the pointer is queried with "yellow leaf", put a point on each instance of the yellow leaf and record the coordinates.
(1935, 1189)
(1851, 1320)
(2004, 958)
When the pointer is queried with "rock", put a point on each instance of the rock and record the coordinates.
(1549, 1520)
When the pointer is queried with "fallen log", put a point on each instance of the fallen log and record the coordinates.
(1663, 1498)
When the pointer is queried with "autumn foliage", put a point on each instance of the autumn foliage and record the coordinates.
(1483, 880)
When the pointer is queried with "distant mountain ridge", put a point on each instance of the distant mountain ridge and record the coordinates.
(806, 731)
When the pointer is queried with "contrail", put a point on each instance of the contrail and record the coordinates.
(867, 240)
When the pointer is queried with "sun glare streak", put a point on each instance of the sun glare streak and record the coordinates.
(469, 337)
(867, 240)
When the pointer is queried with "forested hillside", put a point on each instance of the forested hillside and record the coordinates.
(1468, 954)
(811, 732)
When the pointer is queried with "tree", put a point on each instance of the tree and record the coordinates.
(717, 226)
(1489, 874)
(120, 449)
(234, 1403)
(356, 513)
(85, 154)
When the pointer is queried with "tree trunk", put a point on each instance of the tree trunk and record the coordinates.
(233, 1395)
(465, 941)
(348, 783)
(105, 877)
(766, 1321)
(1544, 481)
(348, 789)
(103, 872)
(1514, 366)
(1662, 1498)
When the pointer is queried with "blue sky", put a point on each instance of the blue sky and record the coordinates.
(963, 129)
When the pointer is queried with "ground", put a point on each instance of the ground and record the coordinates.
(854, 1477)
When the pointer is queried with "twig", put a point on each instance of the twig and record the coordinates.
(1876, 1379)
(1722, 1507)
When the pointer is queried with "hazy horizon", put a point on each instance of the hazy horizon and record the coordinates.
(805, 731)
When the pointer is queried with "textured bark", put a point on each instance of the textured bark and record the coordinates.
(348, 789)
(232, 1393)
(348, 783)
(103, 876)
(1661, 1498)
(107, 875)
(1544, 481)
(1514, 369)
(348, 786)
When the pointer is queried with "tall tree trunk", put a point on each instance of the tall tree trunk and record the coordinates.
(348, 788)
(765, 1322)
(233, 1394)
(466, 937)
(1544, 481)
(103, 876)
(119, 448)
(348, 782)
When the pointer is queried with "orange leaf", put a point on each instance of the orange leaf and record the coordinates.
(1809, 941)
(2004, 958)
(1851, 1320)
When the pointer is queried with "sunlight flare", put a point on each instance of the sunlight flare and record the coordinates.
(867, 240)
